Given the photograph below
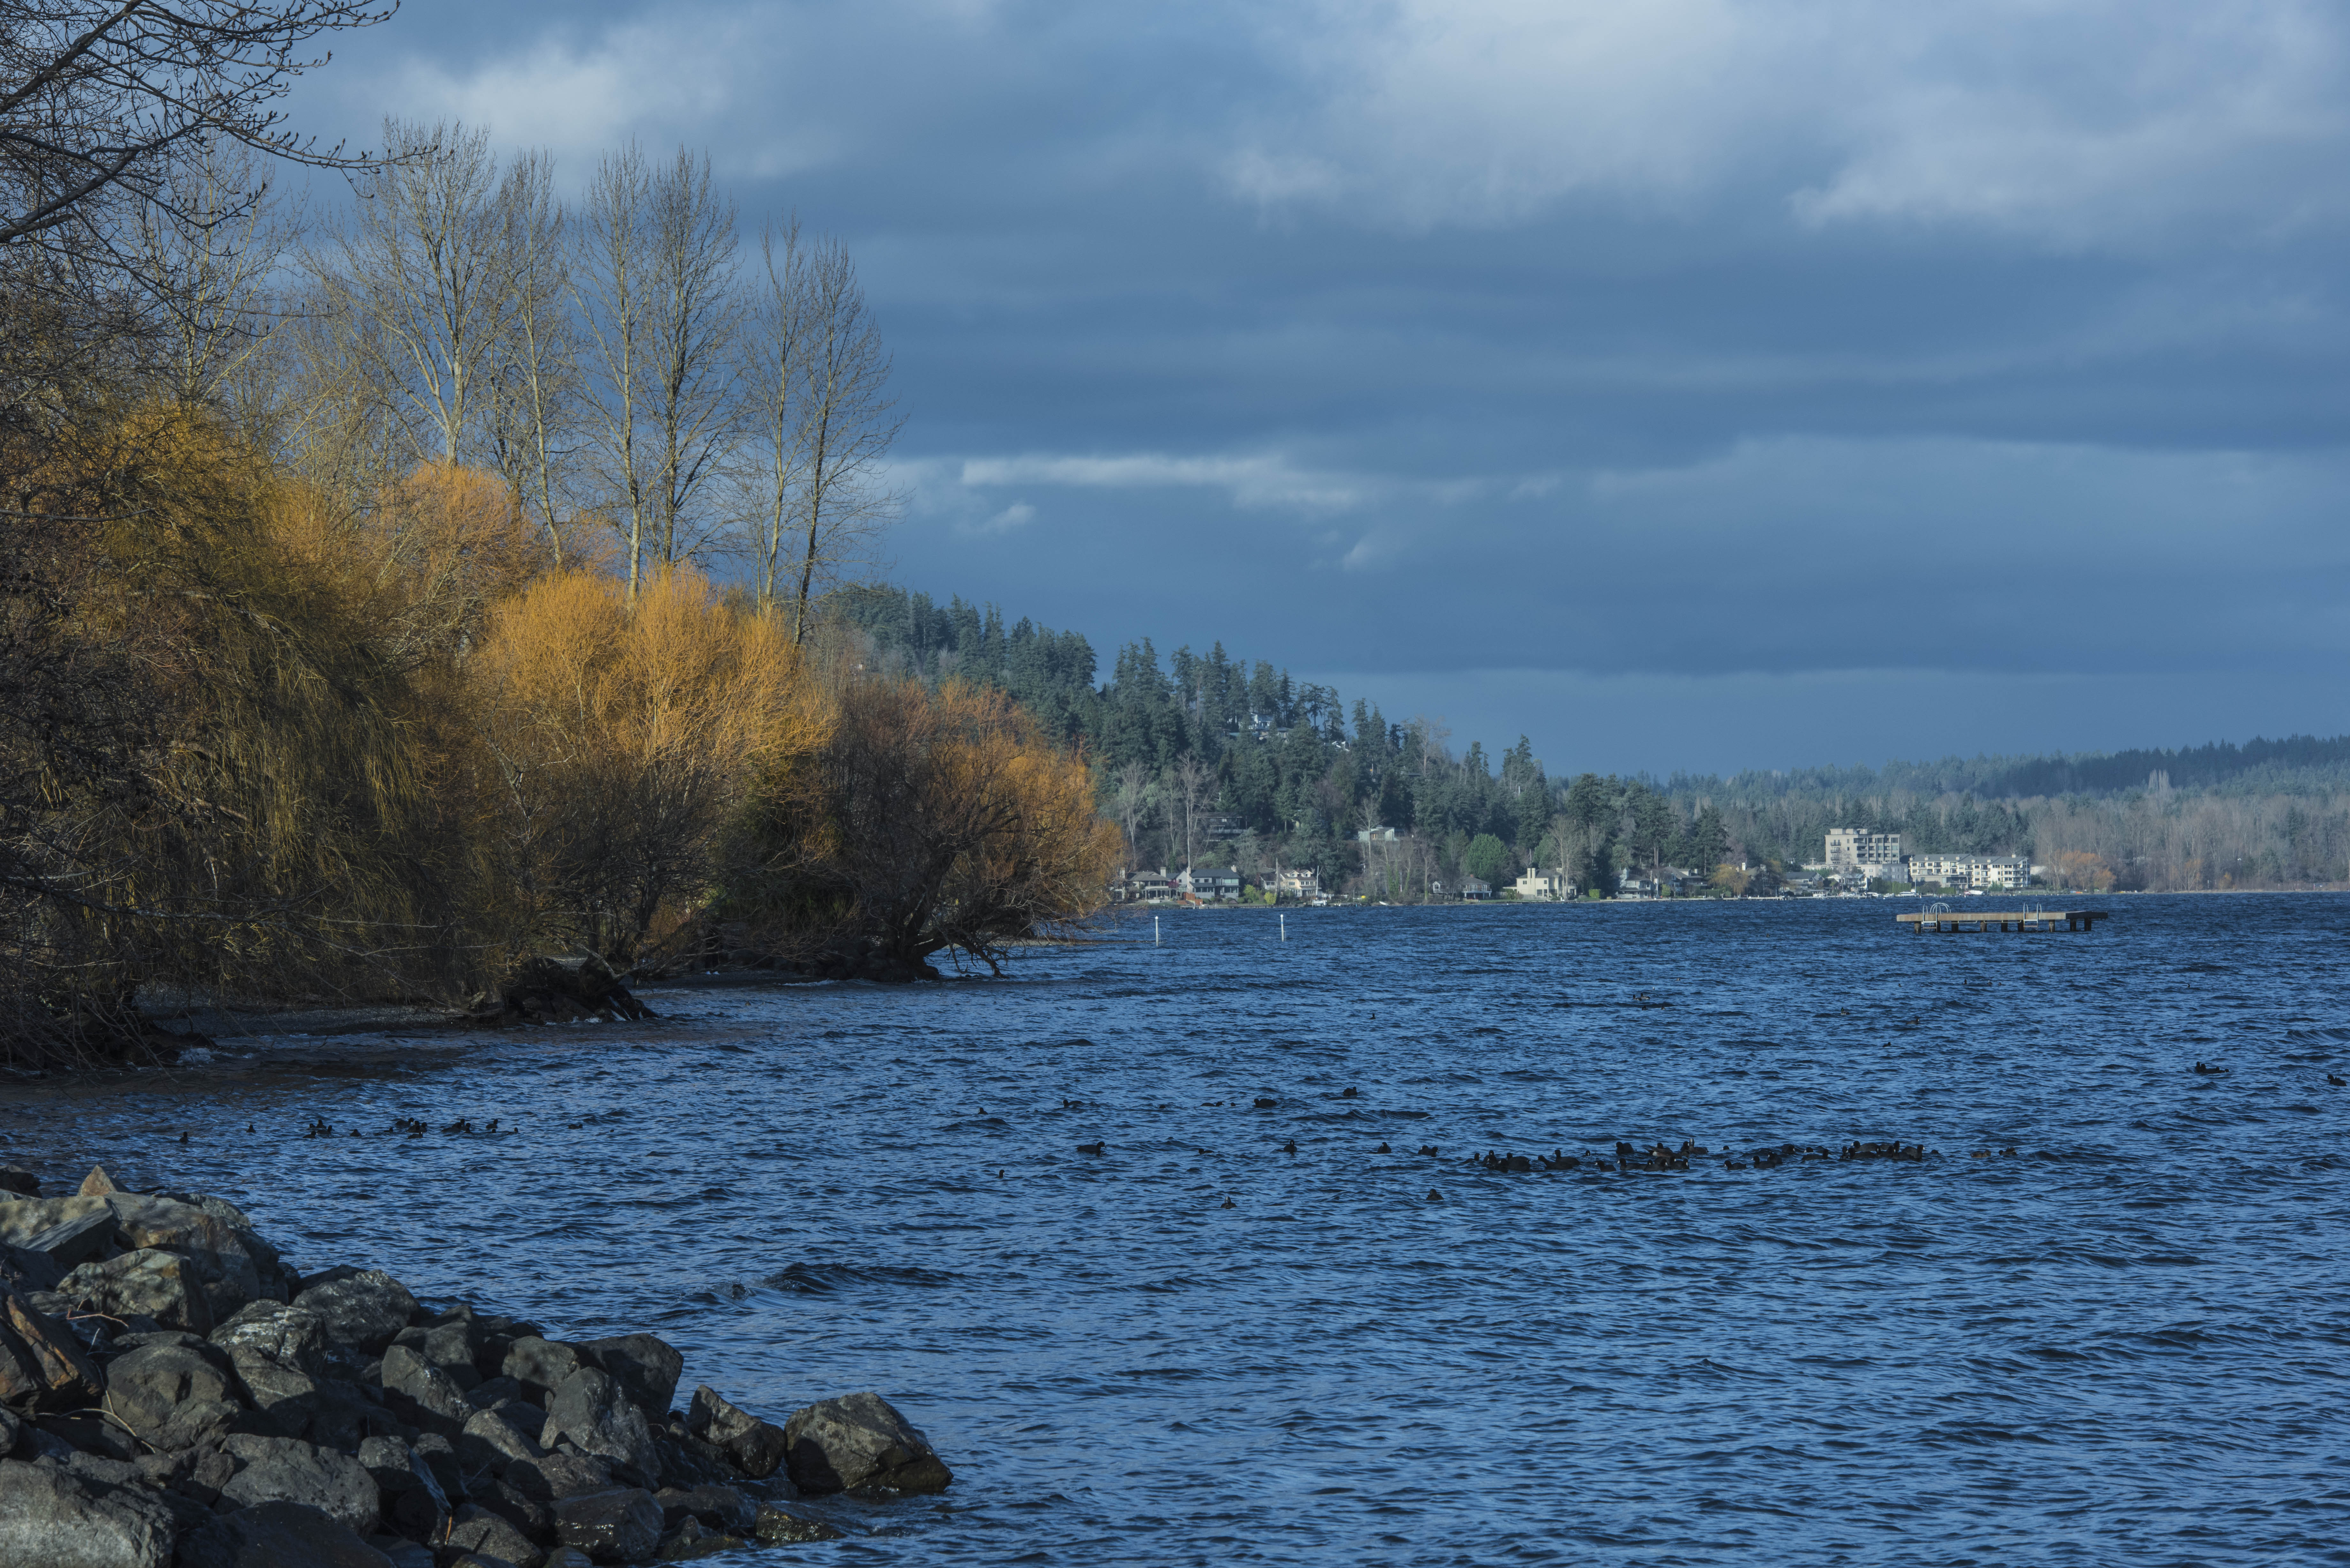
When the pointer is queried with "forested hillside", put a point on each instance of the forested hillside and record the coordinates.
(1194, 740)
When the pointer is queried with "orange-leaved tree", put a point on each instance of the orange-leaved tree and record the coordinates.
(927, 820)
(620, 737)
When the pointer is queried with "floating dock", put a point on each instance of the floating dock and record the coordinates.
(2002, 919)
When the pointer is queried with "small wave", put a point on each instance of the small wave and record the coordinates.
(828, 1279)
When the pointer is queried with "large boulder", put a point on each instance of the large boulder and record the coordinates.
(422, 1395)
(719, 1507)
(451, 1346)
(23, 1269)
(540, 1365)
(363, 1310)
(858, 1440)
(773, 1527)
(491, 1442)
(755, 1447)
(277, 1535)
(289, 1337)
(591, 1413)
(620, 1524)
(42, 1366)
(146, 1387)
(558, 1476)
(228, 1260)
(490, 1534)
(50, 1518)
(646, 1368)
(280, 1470)
(161, 1287)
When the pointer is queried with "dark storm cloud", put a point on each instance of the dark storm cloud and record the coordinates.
(1678, 359)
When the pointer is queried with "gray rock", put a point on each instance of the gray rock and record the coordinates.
(692, 1538)
(620, 1524)
(403, 1553)
(490, 1534)
(591, 1412)
(558, 1475)
(568, 1557)
(753, 1446)
(719, 1507)
(493, 1392)
(199, 1422)
(421, 1394)
(540, 1365)
(280, 1469)
(23, 1269)
(11, 1428)
(152, 1283)
(535, 1517)
(44, 1368)
(490, 1441)
(146, 1387)
(289, 1336)
(773, 1527)
(80, 1240)
(363, 1308)
(52, 1519)
(278, 1536)
(91, 1433)
(687, 1461)
(449, 1345)
(858, 1441)
(645, 1367)
(17, 1179)
(477, 1560)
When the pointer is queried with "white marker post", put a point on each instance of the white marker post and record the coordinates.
(1285, 927)
(1154, 931)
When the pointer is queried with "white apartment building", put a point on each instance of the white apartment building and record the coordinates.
(1972, 871)
(1849, 849)
(1540, 885)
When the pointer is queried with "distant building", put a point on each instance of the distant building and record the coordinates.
(1849, 849)
(1211, 886)
(1144, 886)
(1375, 835)
(1474, 888)
(1540, 885)
(1297, 884)
(1221, 825)
(1971, 870)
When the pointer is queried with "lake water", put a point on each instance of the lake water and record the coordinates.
(2126, 1342)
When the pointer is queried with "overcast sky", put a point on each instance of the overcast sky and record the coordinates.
(1686, 384)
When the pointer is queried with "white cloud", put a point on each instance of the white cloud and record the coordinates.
(2076, 122)
(1255, 480)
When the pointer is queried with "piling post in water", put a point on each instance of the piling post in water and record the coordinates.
(1154, 931)
(1285, 927)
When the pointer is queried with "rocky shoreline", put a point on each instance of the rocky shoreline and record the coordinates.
(173, 1393)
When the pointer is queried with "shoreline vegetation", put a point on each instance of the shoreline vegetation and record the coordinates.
(174, 1392)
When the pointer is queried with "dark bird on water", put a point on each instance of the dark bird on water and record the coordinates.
(2337, 1079)
(1429, 1149)
(1434, 1196)
(1228, 1203)
(183, 1136)
(2208, 1070)
(1348, 1093)
(1089, 1148)
(1289, 1147)
(1383, 1149)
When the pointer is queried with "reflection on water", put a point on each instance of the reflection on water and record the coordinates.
(2122, 1342)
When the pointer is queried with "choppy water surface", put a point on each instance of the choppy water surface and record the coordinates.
(2126, 1343)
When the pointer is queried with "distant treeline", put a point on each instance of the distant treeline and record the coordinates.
(2298, 765)
(1290, 772)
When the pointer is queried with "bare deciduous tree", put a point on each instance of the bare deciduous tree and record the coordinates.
(209, 251)
(655, 288)
(1191, 780)
(535, 387)
(692, 317)
(846, 427)
(97, 98)
(421, 281)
